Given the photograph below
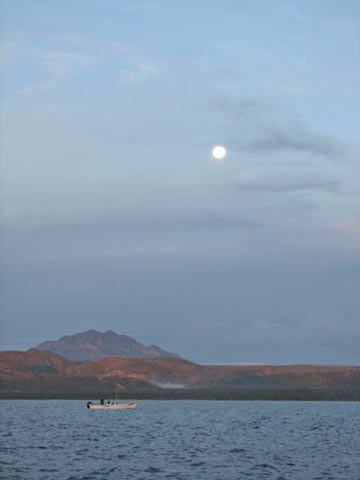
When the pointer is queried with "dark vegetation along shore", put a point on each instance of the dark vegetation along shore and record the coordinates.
(191, 394)
(37, 374)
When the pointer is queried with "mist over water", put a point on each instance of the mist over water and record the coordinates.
(180, 440)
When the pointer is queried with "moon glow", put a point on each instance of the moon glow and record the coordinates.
(219, 152)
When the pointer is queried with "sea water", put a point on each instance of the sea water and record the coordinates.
(180, 440)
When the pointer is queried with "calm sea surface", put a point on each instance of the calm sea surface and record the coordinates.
(180, 440)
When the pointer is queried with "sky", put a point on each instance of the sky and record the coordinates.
(114, 215)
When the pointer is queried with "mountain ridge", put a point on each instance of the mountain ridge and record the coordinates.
(94, 345)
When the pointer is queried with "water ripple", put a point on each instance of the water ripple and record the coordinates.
(62, 440)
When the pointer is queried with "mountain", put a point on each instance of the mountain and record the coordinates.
(41, 374)
(93, 345)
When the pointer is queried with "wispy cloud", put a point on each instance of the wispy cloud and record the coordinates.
(264, 127)
(139, 72)
(346, 24)
(6, 51)
(290, 186)
(83, 53)
(61, 65)
(37, 88)
(246, 107)
(290, 89)
(299, 140)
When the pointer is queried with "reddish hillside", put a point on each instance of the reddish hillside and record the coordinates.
(29, 363)
(159, 371)
(39, 371)
(294, 376)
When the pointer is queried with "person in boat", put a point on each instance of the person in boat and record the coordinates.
(101, 401)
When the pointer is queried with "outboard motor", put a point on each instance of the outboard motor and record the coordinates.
(88, 404)
(101, 401)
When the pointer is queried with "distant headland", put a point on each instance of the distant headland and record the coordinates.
(94, 364)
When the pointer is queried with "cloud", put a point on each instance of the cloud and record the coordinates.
(37, 88)
(5, 52)
(85, 52)
(330, 186)
(264, 127)
(141, 71)
(240, 108)
(278, 140)
(134, 64)
(64, 64)
(348, 229)
(290, 89)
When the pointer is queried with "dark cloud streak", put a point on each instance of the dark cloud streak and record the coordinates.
(264, 128)
(291, 186)
(298, 141)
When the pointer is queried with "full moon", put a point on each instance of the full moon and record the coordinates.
(219, 152)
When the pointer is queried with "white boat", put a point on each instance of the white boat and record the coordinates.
(111, 406)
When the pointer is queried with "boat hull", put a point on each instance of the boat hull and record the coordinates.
(116, 406)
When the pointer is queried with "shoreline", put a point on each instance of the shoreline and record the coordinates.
(192, 394)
